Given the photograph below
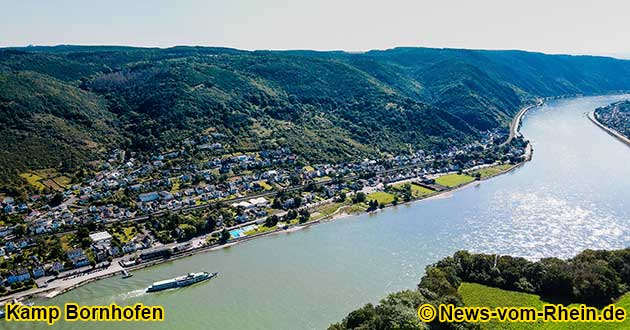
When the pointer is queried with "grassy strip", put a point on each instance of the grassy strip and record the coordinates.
(490, 171)
(381, 197)
(260, 230)
(454, 180)
(481, 295)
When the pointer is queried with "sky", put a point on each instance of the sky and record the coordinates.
(551, 26)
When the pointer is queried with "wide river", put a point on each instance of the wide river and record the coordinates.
(573, 195)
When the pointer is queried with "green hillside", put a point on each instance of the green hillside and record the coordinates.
(61, 105)
(45, 123)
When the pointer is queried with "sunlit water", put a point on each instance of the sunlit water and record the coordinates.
(573, 195)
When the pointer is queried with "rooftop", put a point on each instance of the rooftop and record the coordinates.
(100, 236)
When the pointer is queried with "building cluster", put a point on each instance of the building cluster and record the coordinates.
(129, 186)
(102, 249)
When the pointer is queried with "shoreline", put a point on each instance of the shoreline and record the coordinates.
(610, 131)
(515, 125)
(49, 293)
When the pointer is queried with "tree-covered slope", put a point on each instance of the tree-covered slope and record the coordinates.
(61, 104)
(46, 123)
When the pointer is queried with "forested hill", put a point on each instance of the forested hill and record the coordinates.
(61, 106)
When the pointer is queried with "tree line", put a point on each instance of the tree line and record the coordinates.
(594, 278)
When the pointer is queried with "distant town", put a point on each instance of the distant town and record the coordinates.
(133, 209)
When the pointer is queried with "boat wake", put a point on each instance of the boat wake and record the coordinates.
(132, 294)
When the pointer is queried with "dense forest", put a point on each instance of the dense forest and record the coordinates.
(63, 106)
(594, 278)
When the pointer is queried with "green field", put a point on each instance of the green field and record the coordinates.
(328, 209)
(492, 170)
(63, 181)
(33, 180)
(454, 180)
(420, 191)
(47, 178)
(125, 234)
(345, 207)
(416, 190)
(481, 295)
(381, 197)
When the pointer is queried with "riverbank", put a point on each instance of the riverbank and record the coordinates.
(311, 278)
(591, 116)
(60, 286)
(515, 125)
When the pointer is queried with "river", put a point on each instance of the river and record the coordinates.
(573, 195)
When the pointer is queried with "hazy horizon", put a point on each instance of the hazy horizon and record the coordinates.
(619, 56)
(559, 27)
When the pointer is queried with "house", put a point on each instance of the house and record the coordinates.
(149, 197)
(56, 267)
(81, 263)
(101, 237)
(100, 253)
(129, 247)
(147, 241)
(288, 203)
(165, 195)
(76, 253)
(78, 258)
(242, 218)
(19, 275)
(259, 202)
(114, 251)
(10, 246)
(5, 231)
(160, 252)
(38, 272)
(242, 204)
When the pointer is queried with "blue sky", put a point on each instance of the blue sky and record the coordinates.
(554, 26)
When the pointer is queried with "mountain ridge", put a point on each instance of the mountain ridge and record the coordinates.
(327, 106)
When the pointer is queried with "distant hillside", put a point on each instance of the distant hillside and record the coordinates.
(61, 105)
